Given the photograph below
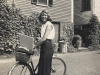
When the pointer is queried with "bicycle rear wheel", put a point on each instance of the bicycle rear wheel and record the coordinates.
(58, 66)
(20, 69)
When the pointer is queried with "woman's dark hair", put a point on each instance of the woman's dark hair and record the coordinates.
(48, 18)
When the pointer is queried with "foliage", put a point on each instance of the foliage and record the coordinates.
(94, 32)
(62, 38)
(36, 23)
(78, 37)
(55, 47)
(67, 34)
(12, 22)
(77, 40)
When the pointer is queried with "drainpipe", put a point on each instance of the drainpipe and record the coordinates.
(72, 11)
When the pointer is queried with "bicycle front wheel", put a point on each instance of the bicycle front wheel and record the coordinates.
(58, 66)
(20, 69)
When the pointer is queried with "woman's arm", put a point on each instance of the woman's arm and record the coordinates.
(47, 31)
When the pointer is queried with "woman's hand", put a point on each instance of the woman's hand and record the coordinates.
(38, 38)
(34, 46)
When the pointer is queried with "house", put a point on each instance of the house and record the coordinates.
(61, 12)
(83, 10)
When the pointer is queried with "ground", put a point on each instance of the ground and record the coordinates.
(12, 55)
(80, 63)
(7, 56)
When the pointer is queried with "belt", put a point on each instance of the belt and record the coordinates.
(49, 40)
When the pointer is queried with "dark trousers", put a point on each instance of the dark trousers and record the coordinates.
(45, 60)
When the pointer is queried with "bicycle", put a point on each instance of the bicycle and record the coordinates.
(25, 65)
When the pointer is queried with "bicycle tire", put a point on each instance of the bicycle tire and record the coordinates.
(58, 66)
(20, 69)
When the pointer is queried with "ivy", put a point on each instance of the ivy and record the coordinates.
(12, 22)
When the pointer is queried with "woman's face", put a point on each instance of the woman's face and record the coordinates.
(44, 17)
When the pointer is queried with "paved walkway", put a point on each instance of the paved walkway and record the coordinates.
(81, 63)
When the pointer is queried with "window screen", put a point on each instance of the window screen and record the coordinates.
(86, 5)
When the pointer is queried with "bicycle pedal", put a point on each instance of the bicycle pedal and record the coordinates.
(53, 71)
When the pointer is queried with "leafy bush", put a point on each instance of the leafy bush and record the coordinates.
(77, 40)
(12, 22)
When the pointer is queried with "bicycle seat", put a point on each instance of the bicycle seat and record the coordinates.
(30, 52)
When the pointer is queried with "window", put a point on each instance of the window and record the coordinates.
(86, 5)
(2, 1)
(43, 2)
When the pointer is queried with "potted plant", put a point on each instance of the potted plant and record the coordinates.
(62, 39)
(55, 47)
(62, 45)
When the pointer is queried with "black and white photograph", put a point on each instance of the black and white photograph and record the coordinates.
(49, 37)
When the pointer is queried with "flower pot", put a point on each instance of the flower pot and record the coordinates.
(62, 47)
(55, 50)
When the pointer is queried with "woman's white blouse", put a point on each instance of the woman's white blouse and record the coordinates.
(52, 32)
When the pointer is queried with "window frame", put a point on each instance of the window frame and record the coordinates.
(33, 2)
(41, 3)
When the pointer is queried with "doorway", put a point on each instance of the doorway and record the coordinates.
(57, 32)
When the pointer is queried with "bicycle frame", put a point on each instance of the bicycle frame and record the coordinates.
(30, 63)
(32, 67)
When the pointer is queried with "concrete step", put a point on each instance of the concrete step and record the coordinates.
(82, 49)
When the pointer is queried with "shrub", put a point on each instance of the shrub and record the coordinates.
(13, 22)
(77, 40)
(94, 29)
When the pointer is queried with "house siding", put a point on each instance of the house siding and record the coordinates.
(81, 18)
(97, 8)
(60, 12)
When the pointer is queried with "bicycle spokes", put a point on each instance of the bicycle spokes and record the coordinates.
(58, 67)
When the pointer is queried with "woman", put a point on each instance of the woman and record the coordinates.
(47, 35)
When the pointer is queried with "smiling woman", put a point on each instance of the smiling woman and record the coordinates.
(47, 35)
(44, 16)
